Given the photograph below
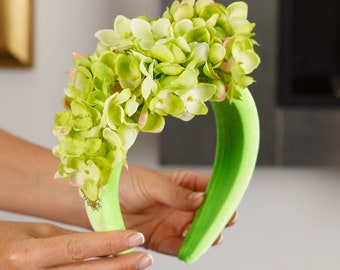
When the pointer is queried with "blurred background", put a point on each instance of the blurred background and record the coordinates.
(290, 216)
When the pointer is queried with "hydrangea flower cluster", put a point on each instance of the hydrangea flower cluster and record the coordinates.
(143, 70)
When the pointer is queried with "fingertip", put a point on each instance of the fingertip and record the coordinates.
(219, 240)
(145, 261)
(196, 196)
(186, 230)
(233, 219)
(134, 240)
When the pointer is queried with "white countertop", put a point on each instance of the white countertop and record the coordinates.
(288, 219)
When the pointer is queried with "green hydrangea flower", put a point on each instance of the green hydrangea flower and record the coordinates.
(143, 70)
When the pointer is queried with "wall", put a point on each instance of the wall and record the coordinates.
(29, 98)
(195, 140)
(290, 136)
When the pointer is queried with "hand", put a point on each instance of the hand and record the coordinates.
(45, 246)
(162, 205)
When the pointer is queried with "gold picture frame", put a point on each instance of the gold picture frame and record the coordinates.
(15, 33)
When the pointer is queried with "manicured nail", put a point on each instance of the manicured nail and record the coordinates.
(233, 219)
(186, 230)
(144, 261)
(219, 240)
(195, 195)
(134, 240)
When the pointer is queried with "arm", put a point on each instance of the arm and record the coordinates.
(44, 246)
(28, 187)
(159, 204)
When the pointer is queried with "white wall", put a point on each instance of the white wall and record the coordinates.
(29, 98)
(272, 233)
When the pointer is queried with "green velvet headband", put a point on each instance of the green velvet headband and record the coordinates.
(143, 70)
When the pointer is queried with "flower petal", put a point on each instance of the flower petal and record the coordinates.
(160, 28)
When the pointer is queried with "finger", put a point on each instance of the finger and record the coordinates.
(136, 260)
(81, 246)
(218, 240)
(193, 180)
(176, 196)
(171, 246)
(233, 219)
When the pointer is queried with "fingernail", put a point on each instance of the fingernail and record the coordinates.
(186, 230)
(233, 219)
(134, 240)
(219, 240)
(195, 195)
(144, 261)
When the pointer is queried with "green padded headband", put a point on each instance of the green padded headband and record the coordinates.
(143, 70)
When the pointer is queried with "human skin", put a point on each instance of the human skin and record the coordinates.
(160, 205)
